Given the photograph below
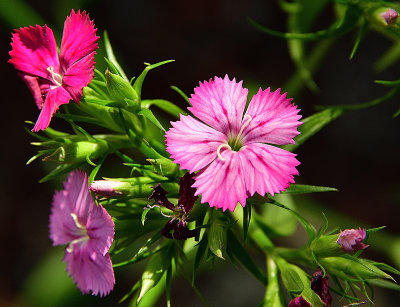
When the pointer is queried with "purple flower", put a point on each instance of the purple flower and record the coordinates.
(319, 284)
(106, 188)
(186, 201)
(89, 232)
(298, 302)
(351, 240)
(54, 79)
(229, 148)
(389, 16)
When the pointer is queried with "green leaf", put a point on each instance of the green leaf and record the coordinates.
(201, 249)
(60, 170)
(314, 123)
(164, 105)
(384, 284)
(290, 277)
(244, 258)
(341, 27)
(111, 57)
(246, 220)
(360, 35)
(388, 83)
(145, 211)
(150, 116)
(181, 93)
(96, 170)
(137, 86)
(304, 189)
(308, 227)
(216, 234)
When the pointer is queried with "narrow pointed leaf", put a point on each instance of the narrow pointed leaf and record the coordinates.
(150, 116)
(164, 105)
(304, 189)
(111, 57)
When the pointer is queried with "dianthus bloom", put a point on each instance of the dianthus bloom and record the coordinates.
(230, 150)
(352, 240)
(55, 79)
(89, 232)
(320, 285)
(390, 16)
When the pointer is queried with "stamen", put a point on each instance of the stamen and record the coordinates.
(79, 225)
(246, 123)
(70, 247)
(219, 151)
(57, 78)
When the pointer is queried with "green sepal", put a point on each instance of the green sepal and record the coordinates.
(216, 234)
(112, 61)
(324, 246)
(137, 86)
(150, 116)
(164, 105)
(166, 168)
(201, 250)
(152, 274)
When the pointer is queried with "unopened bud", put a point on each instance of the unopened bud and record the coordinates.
(136, 187)
(121, 91)
(326, 246)
(389, 16)
(351, 240)
(165, 167)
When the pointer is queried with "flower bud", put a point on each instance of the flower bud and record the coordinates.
(389, 16)
(347, 268)
(351, 240)
(136, 187)
(326, 246)
(319, 284)
(121, 91)
(78, 152)
(299, 302)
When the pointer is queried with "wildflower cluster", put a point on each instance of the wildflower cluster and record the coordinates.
(170, 208)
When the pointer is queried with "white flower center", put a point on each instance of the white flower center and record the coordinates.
(57, 78)
(81, 232)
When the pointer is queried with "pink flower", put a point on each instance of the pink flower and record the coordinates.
(88, 230)
(351, 240)
(229, 149)
(55, 79)
(389, 16)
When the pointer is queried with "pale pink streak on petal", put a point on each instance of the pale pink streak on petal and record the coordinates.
(274, 119)
(267, 169)
(54, 99)
(220, 103)
(33, 85)
(33, 50)
(79, 38)
(193, 144)
(221, 184)
(91, 271)
(78, 76)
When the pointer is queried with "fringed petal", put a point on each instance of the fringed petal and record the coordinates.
(92, 272)
(274, 119)
(79, 38)
(220, 104)
(33, 50)
(221, 184)
(267, 169)
(193, 144)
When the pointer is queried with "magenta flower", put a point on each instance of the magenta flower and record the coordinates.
(88, 230)
(229, 149)
(351, 240)
(55, 79)
(298, 302)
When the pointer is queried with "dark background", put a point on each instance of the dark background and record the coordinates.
(358, 153)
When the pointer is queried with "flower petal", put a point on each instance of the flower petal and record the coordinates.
(267, 169)
(33, 50)
(274, 119)
(91, 271)
(55, 97)
(220, 103)
(100, 228)
(79, 38)
(221, 184)
(193, 144)
(34, 87)
(78, 76)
